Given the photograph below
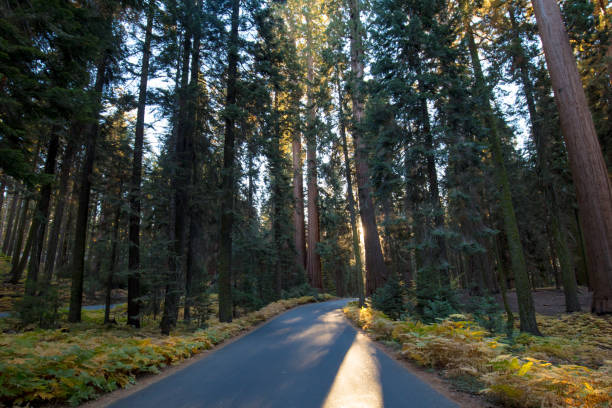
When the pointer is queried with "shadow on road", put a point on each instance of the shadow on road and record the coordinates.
(308, 357)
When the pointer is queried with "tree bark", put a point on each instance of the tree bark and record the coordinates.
(350, 198)
(60, 205)
(41, 216)
(80, 234)
(3, 188)
(376, 270)
(191, 130)
(517, 257)
(180, 182)
(19, 259)
(298, 207)
(313, 261)
(227, 215)
(12, 213)
(570, 288)
(113, 265)
(593, 189)
(22, 225)
(133, 302)
(63, 251)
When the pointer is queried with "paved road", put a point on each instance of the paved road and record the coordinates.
(308, 357)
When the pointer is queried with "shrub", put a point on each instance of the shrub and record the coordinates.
(437, 309)
(390, 298)
(299, 291)
(40, 309)
(487, 313)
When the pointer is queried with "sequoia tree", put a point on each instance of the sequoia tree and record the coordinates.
(593, 189)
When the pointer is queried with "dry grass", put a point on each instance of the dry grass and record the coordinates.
(524, 374)
(80, 361)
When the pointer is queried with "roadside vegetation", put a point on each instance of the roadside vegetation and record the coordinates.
(80, 361)
(570, 366)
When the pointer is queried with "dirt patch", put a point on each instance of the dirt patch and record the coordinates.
(549, 301)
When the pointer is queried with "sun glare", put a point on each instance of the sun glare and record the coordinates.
(357, 383)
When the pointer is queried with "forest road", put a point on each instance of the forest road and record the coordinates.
(307, 357)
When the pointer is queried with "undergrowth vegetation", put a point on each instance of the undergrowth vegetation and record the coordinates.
(570, 367)
(9, 293)
(80, 361)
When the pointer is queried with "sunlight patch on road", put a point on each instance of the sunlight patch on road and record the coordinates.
(357, 383)
(292, 320)
(320, 334)
(314, 342)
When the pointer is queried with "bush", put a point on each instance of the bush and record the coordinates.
(487, 313)
(435, 303)
(390, 298)
(298, 291)
(40, 309)
(437, 309)
(202, 307)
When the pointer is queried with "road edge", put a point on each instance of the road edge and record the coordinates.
(148, 380)
(428, 376)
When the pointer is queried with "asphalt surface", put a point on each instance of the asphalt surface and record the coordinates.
(308, 357)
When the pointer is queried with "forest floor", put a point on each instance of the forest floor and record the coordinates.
(12, 293)
(549, 301)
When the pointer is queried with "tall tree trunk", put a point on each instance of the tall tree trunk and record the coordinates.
(3, 188)
(440, 253)
(299, 228)
(349, 196)
(19, 259)
(60, 205)
(133, 302)
(227, 210)
(376, 270)
(276, 197)
(80, 233)
(170, 311)
(12, 213)
(593, 188)
(181, 181)
(113, 264)
(560, 236)
(98, 229)
(313, 261)
(20, 262)
(191, 130)
(41, 215)
(517, 257)
(503, 286)
(64, 236)
(22, 225)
